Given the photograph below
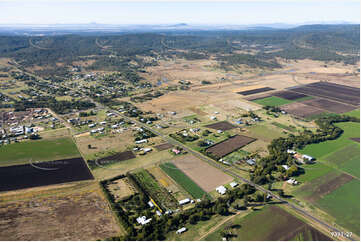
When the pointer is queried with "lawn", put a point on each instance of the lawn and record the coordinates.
(313, 171)
(264, 132)
(38, 150)
(351, 130)
(272, 101)
(183, 180)
(354, 113)
(344, 204)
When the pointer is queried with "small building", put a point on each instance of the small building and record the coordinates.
(233, 184)
(143, 220)
(213, 118)
(221, 190)
(292, 181)
(158, 213)
(146, 150)
(151, 204)
(251, 162)
(176, 151)
(141, 141)
(307, 157)
(184, 201)
(291, 152)
(181, 230)
(286, 167)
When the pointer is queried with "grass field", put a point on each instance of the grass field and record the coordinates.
(272, 101)
(183, 180)
(351, 130)
(269, 223)
(354, 113)
(344, 204)
(264, 132)
(39, 150)
(286, 127)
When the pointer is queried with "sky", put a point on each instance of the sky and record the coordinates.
(170, 12)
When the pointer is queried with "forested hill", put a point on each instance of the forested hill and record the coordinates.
(339, 43)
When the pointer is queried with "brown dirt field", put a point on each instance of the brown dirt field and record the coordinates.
(294, 227)
(228, 146)
(327, 187)
(355, 139)
(79, 216)
(331, 106)
(126, 155)
(164, 146)
(289, 95)
(121, 188)
(223, 125)
(197, 111)
(205, 175)
(247, 88)
(301, 110)
(255, 91)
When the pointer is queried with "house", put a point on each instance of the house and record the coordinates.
(213, 118)
(292, 181)
(251, 162)
(233, 184)
(143, 220)
(176, 151)
(91, 125)
(219, 131)
(146, 150)
(158, 213)
(291, 152)
(104, 122)
(307, 157)
(141, 141)
(221, 190)
(181, 230)
(286, 167)
(184, 201)
(151, 204)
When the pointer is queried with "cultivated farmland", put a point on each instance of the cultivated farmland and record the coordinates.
(126, 155)
(301, 110)
(272, 101)
(228, 146)
(223, 125)
(254, 91)
(328, 105)
(289, 95)
(183, 180)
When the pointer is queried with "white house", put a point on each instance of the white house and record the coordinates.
(286, 167)
(158, 213)
(291, 152)
(141, 141)
(184, 201)
(233, 184)
(143, 220)
(181, 230)
(150, 203)
(221, 190)
(310, 158)
(292, 181)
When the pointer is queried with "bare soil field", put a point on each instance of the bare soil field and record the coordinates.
(341, 93)
(355, 139)
(126, 155)
(255, 91)
(205, 175)
(331, 106)
(301, 110)
(164, 146)
(223, 125)
(81, 215)
(327, 187)
(228, 146)
(289, 95)
(121, 188)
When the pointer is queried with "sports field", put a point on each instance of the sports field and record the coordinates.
(183, 180)
(38, 150)
(272, 101)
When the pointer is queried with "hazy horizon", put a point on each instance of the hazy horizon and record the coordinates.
(43, 12)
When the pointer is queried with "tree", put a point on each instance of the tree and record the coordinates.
(89, 146)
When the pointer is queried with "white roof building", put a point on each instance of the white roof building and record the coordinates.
(150, 203)
(221, 190)
(184, 201)
(143, 220)
(307, 157)
(233, 184)
(286, 167)
(181, 230)
(291, 152)
(141, 141)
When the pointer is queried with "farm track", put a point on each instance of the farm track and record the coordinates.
(292, 206)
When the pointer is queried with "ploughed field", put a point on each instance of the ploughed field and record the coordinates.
(223, 125)
(254, 91)
(126, 155)
(43, 174)
(228, 146)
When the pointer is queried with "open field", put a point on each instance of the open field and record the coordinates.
(301, 110)
(289, 95)
(341, 93)
(164, 146)
(200, 172)
(183, 180)
(354, 113)
(43, 174)
(228, 146)
(223, 125)
(126, 155)
(271, 223)
(38, 150)
(328, 105)
(69, 214)
(255, 91)
(272, 101)
(121, 188)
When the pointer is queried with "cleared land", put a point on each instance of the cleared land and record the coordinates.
(254, 91)
(289, 95)
(228, 146)
(341, 93)
(205, 175)
(272, 101)
(328, 105)
(43, 174)
(301, 110)
(183, 180)
(83, 215)
(223, 125)
(164, 146)
(121, 189)
(126, 155)
(38, 150)
(268, 224)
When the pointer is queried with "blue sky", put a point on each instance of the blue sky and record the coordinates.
(166, 12)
